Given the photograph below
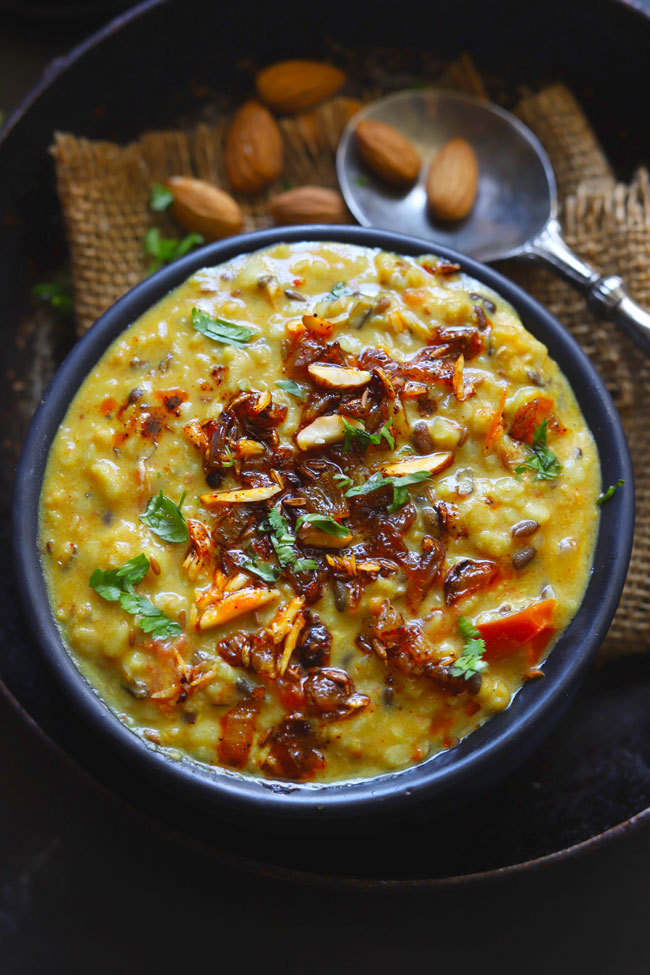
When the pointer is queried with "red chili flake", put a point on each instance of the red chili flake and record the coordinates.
(108, 406)
(171, 399)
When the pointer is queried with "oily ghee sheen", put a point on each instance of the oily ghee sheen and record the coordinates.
(352, 503)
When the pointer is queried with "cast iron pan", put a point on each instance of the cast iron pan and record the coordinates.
(590, 780)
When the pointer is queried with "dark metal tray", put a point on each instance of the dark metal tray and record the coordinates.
(592, 777)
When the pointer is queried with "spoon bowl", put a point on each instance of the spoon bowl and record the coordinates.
(515, 212)
(517, 193)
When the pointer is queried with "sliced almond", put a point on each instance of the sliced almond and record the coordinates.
(291, 642)
(284, 618)
(430, 462)
(324, 430)
(236, 604)
(243, 496)
(237, 582)
(413, 390)
(249, 448)
(317, 538)
(338, 377)
(319, 325)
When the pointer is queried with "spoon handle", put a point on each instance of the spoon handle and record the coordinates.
(606, 295)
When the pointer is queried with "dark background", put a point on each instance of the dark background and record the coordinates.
(85, 887)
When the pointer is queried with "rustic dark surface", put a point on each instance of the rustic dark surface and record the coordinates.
(84, 885)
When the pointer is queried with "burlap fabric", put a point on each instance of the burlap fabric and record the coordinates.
(104, 191)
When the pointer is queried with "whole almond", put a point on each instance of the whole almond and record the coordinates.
(388, 153)
(308, 204)
(254, 150)
(292, 86)
(452, 181)
(204, 208)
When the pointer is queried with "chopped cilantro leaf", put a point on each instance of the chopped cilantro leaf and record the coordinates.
(160, 197)
(117, 584)
(540, 460)
(304, 565)
(110, 583)
(166, 519)
(289, 386)
(220, 330)
(398, 484)
(343, 480)
(363, 438)
(283, 540)
(57, 294)
(150, 618)
(267, 572)
(339, 289)
(471, 660)
(361, 180)
(324, 523)
(164, 250)
(611, 490)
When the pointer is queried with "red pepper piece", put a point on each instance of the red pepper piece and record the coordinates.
(529, 629)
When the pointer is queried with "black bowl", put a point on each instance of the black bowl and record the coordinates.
(443, 780)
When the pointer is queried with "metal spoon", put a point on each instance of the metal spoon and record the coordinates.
(515, 214)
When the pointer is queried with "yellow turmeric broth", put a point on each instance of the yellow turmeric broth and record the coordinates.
(319, 513)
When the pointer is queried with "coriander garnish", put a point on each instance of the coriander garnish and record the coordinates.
(289, 386)
(164, 250)
(219, 330)
(337, 290)
(324, 523)
(160, 197)
(283, 540)
(361, 436)
(267, 572)
(166, 519)
(116, 585)
(343, 480)
(398, 484)
(610, 491)
(541, 460)
(471, 660)
(57, 294)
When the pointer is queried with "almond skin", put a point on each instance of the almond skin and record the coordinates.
(293, 86)
(308, 204)
(204, 208)
(254, 149)
(388, 153)
(452, 181)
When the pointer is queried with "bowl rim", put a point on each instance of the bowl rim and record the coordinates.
(483, 756)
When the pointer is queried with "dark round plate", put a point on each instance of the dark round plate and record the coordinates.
(591, 776)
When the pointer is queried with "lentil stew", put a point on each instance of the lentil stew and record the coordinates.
(319, 513)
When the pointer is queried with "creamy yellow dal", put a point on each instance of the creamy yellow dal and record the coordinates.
(358, 665)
